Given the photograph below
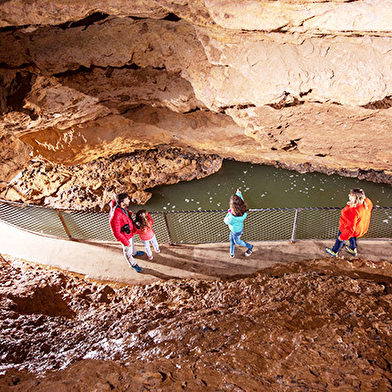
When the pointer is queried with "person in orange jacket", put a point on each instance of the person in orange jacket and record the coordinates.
(354, 222)
(123, 229)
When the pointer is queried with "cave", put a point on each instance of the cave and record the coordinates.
(101, 97)
(262, 82)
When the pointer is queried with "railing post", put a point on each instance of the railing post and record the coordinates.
(294, 233)
(168, 229)
(64, 224)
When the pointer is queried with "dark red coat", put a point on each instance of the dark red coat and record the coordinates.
(117, 220)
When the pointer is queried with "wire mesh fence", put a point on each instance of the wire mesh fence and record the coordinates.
(194, 227)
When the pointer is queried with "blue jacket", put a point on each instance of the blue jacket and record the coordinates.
(235, 223)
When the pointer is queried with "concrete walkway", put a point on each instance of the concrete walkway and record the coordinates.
(105, 261)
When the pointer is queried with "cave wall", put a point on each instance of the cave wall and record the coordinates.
(299, 84)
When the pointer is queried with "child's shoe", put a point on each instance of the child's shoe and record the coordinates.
(331, 252)
(158, 251)
(231, 255)
(249, 251)
(150, 257)
(351, 251)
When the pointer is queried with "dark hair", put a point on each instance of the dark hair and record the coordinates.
(120, 198)
(237, 205)
(141, 220)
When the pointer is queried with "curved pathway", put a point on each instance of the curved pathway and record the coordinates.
(105, 261)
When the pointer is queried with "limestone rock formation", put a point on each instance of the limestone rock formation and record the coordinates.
(92, 186)
(300, 84)
(13, 154)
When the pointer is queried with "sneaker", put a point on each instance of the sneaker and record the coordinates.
(150, 257)
(158, 251)
(249, 251)
(138, 253)
(137, 268)
(351, 251)
(331, 252)
(231, 256)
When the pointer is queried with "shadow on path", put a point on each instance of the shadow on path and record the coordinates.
(105, 261)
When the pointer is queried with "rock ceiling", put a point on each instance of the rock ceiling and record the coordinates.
(300, 84)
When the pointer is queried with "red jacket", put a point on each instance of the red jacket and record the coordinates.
(146, 233)
(354, 221)
(117, 219)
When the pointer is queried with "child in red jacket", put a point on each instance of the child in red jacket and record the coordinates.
(354, 222)
(143, 223)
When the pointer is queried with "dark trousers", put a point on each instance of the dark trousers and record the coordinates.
(339, 244)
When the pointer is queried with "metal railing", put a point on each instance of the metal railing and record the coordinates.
(194, 227)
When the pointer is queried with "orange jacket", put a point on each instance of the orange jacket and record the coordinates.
(354, 221)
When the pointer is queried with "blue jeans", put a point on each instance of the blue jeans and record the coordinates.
(235, 238)
(339, 244)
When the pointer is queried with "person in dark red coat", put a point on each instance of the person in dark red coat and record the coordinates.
(123, 228)
(354, 222)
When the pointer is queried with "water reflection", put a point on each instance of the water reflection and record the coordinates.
(263, 187)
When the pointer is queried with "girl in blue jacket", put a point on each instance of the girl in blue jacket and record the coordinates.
(235, 220)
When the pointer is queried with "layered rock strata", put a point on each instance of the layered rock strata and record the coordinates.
(304, 85)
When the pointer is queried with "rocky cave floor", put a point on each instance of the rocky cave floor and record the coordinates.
(319, 325)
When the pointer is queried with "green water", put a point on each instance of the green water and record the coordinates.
(263, 187)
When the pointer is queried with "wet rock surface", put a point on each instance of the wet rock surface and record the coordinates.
(319, 325)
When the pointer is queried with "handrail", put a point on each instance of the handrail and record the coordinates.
(192, 226)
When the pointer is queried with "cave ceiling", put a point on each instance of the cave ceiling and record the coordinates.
(300, 84)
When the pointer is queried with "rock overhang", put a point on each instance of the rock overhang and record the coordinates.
(289, 83)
